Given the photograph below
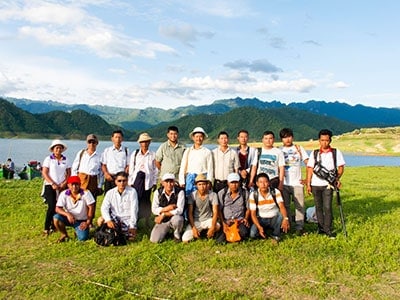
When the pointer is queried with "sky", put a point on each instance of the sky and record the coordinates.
(173, 53)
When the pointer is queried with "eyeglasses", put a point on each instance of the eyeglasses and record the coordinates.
(92, 142)
(121, 180)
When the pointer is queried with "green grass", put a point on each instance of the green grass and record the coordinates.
(363, 266)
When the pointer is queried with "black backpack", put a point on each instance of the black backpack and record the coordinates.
(105, 236)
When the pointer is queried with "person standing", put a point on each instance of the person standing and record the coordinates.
(293, 184)
(114, 159)
(143, 175)
(247, 160)
(332, 161)
(9, 169)
(169, 154)
(226, 161)
(75, 208)
(271, 161)
(56, 169)
(87, 165)
(197, 159)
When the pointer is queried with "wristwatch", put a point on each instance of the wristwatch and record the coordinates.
(286, 218)
(163, 214)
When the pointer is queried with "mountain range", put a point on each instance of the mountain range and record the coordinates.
(226, 114)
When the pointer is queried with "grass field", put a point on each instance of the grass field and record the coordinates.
(366, 265)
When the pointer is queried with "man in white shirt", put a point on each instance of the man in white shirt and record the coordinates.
(75, 208)
(120, 207)
(168, 204)
(114, 159)
(226, 161)
(293, 184)
(87, 165)
(197, 159)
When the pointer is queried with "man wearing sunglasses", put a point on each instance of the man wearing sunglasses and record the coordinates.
(120, 207)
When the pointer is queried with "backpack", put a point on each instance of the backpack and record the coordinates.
(105, 236)
(271, 191)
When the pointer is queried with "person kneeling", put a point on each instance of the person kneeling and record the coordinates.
(202, 211)
(120, 207)
(75, 208)
(267, 210)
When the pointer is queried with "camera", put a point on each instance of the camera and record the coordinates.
(324, 173)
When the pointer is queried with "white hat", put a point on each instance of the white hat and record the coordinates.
(233, 177)
(168, 176)
(57, 142)
(198, 130)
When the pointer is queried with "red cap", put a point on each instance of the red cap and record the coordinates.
(74, 179)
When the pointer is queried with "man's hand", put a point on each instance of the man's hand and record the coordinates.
(285, 225)
(158, 219)
(196, 233)
(210, 232)
(110, 224)
(261, 232)
(170, 207)
(246, 223)
(83, 225)
(70, 218)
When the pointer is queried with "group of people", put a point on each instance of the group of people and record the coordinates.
(195, 191)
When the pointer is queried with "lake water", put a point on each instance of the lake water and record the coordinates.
(24, 150)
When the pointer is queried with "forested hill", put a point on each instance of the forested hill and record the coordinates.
(305, 125)
(77, 124)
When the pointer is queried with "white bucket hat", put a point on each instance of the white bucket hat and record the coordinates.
(198, 130)
(144, 137)
(57, 142)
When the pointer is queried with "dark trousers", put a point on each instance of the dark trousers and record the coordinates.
(108, 185)
(323, 207)
(51, 200)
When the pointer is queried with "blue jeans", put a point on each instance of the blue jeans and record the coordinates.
(273, 223)
(82, 235)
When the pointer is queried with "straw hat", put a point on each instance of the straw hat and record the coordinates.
(144, 137)
(201, 177)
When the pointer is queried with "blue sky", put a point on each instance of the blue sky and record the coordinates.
(167, 54)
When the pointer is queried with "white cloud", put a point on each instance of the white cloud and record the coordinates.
(340, 85)
(183, 32)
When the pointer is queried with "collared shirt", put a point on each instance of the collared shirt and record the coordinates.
(121, 207)
(266, 206)
(178, 211)
(233, 208)
(57, 168)
(197, 161)
(327, 161)
(293, 157)
(115, 159)
(225, 163)
(78, 209)
(270, 161)
(88, 164)
(170, 158)
(146, 164)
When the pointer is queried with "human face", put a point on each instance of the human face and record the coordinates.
(172, 136)
(202, 187)
(168, 185)
(268, 141)
(198, 138)
(263, 184)
(287, 141)
(121, 182)
(243, 138)
(233, 186)
(324, 141)
(144, 145)
(91, 144)
(74, 187)
(57, 150)
(223, 140)
(117, 139)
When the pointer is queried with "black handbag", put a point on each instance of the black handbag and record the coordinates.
(105, 236)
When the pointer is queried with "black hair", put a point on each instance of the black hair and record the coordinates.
(260, 175)
(223, 133)
(268, 132)
(285, 132)
(242, 131)
(118, 131)
(173, 128)
(122, 174)
(325, 132)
